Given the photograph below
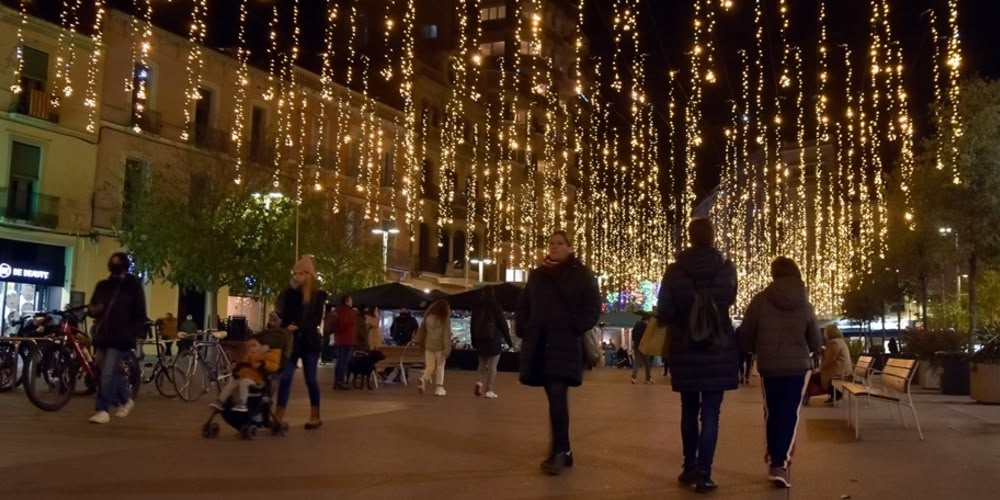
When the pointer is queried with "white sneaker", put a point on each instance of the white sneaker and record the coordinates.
(125, 409)
(100, 417)
(491, 395)
(439, 391)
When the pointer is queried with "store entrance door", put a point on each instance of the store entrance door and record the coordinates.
(20, 299)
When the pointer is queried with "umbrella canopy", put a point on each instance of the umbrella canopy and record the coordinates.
(391, 296)
(507, 295)
(620, 319)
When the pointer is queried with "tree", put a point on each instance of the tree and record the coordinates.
(863, 302)
(972, 206)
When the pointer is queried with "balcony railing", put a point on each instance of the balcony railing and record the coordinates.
(431, 191)
(33, 208)
(35, 103)
(149, 121)
(209, 138)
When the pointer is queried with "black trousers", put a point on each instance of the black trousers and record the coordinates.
(558, 393)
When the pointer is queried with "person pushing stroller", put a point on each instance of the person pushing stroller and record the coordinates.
(258, 362)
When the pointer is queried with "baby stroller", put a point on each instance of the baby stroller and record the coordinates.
(260, 410)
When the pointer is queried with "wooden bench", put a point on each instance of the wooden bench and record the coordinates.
(400, 358)
(895, 392)
(862, 374)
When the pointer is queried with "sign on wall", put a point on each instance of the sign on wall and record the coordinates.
(32, 263)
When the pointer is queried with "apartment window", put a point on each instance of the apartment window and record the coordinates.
(530, 49)
(258, 127)
(354, 159)
(493, 13)
(25, 170)
(198, 192)
(204, 135)
(388, 169)
(492, 48)
(34, 78)
(521, 117)
(429, 32)
(134, 189)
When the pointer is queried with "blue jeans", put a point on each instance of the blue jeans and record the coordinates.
(111, 390)
(699, 445)
(782, 400)
(342, 353)
(310, 360)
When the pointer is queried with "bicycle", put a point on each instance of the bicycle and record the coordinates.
(56, 366)
(198, 372)
(164, 372)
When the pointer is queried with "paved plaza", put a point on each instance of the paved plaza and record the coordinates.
(393, 443)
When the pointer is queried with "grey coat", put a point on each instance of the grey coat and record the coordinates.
(780, 327)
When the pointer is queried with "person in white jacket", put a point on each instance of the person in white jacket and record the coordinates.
(434, 336)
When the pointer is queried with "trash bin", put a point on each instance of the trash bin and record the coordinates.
(954, 373)
(237, 328)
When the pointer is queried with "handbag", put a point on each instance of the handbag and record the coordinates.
(591, 348)
(656, 339)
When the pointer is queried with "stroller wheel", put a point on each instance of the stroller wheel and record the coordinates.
(248, 432)
(210, 430)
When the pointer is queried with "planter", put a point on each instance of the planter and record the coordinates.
(929, 376)
(984, 382)
(954, 373)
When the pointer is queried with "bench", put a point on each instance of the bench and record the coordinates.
(400, 358)
(862, 374)
(895, 391)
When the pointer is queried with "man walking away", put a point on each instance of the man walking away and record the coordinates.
(403, 327)
(695, 296)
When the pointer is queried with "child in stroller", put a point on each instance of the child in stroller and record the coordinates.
(255, 378)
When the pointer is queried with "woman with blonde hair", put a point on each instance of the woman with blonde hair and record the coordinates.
(301, 314)
(434, 335)
(836, 362)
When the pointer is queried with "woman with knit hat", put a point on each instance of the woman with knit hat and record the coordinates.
(302, 312)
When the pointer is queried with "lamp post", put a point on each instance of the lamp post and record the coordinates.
(385, 232)
(481, 263)
(945, 231)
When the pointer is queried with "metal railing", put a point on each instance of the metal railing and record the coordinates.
(34, 208)
(209, 138)
(149, 121)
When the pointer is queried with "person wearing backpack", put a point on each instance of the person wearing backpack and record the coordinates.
(780, 327)
(694, 300)
(489, 331)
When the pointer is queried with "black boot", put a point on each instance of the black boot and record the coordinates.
(705, 483)
(555, 464)
(689, 477)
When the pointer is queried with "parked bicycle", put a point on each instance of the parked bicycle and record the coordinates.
(164, 372)
(202, 363)
(58, 367)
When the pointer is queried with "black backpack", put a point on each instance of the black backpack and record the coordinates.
(705, 325)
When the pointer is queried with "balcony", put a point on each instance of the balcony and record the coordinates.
(430, 191)
(33, 208)
(211, 139)
(149, 121)
(35, 103)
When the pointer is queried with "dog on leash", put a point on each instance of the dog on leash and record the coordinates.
(361, 368)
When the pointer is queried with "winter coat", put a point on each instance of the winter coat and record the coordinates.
(270, 360)
(403, 327)
(637, 332)
(345, 333)
(374, 332)
(119, 307)
(435, 334)
(558, 305)
(489, 329)
(307, 317)
(836, 361)
(695, 368)
(780, 327)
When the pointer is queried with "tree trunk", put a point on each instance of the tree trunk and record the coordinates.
(973, 306)
(924, 292)
(211, 299)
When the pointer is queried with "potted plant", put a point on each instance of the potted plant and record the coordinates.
(984, 368)
(925, 346)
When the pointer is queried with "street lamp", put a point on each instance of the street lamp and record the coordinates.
(481, 263)
(385, 232)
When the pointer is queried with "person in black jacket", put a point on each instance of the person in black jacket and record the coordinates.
(560, 303)
(118, 306)
(700, 373)
(489, 331)
(301, 313)
(403, 327)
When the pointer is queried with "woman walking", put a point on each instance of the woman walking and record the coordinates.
(435, 337)
(780, 327)
(301, 313)
(489, 331)
(560, 303)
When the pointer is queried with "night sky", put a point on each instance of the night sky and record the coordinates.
(666, 36)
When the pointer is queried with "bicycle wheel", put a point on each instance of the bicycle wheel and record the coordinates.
(8, 366)
(165, 380)
(132, 374)
(50, 376)
(191, 379)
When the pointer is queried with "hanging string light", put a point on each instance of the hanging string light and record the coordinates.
(195, 63)
(411, 167)
(242, 82)
(94, 66)
(325, 99)
(139, 71)
(69, 20)
(15, 86)
(953, 66)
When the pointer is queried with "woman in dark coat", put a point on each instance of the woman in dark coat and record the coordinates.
(301, 314)
(560, 303)
(489, 331)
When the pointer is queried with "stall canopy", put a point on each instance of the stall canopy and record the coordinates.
(391, 296)
(619, 319)
(507, 295)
